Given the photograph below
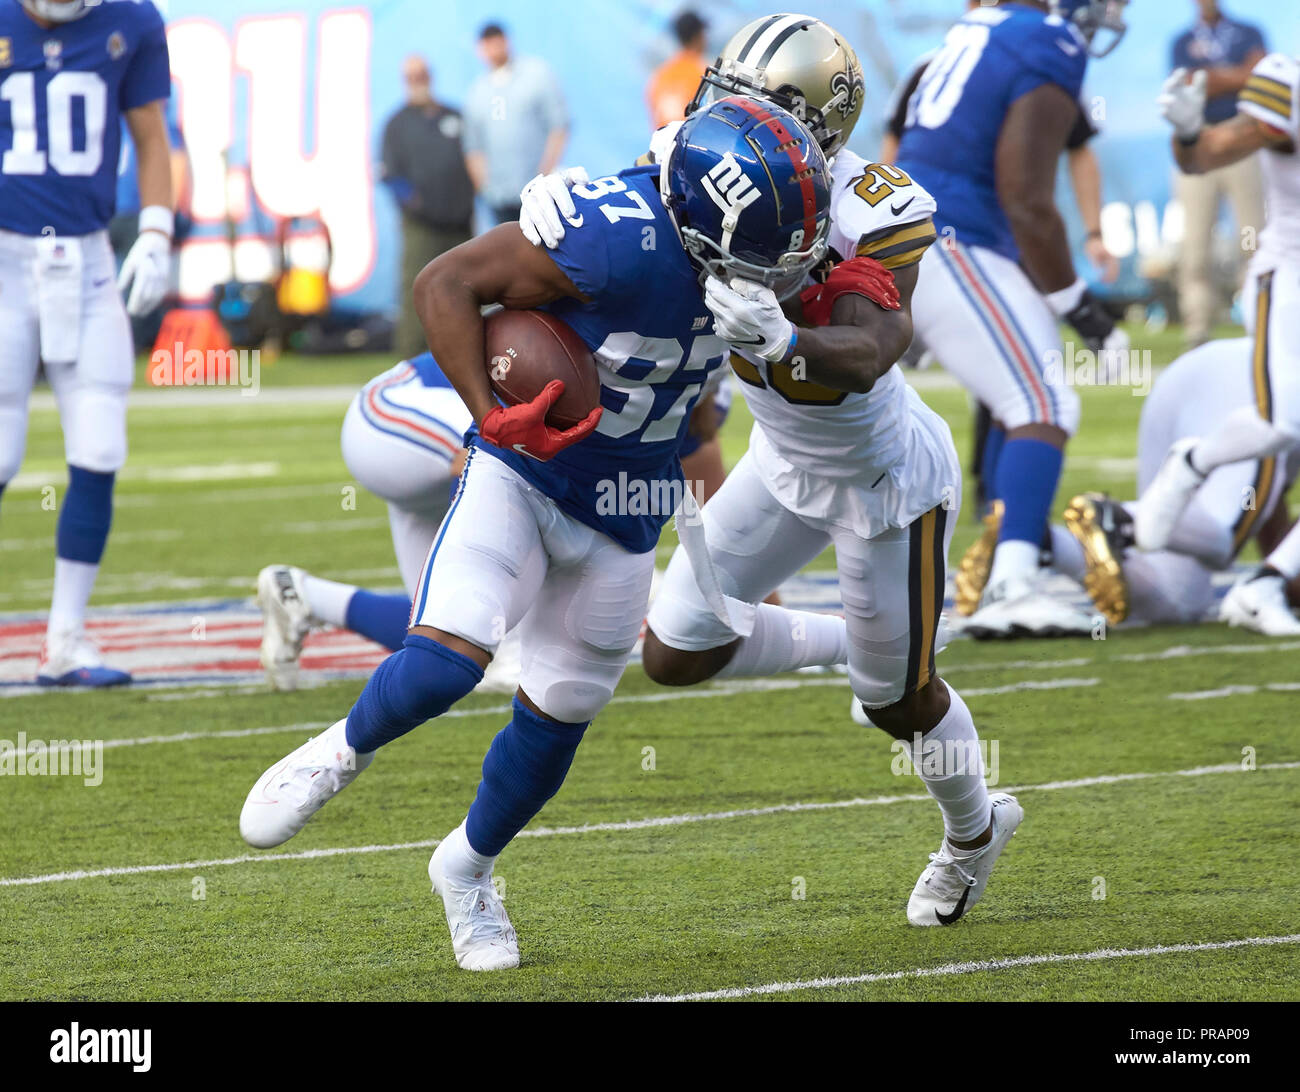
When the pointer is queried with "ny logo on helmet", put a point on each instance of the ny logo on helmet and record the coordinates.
(731, 190)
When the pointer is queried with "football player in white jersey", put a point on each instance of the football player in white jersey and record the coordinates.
(843, 453)
(71, 73)
(1236, 503)
(1267, 122)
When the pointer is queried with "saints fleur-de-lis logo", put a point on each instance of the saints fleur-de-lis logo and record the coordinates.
(848, 89)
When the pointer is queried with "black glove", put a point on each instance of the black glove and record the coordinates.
(1093, 322)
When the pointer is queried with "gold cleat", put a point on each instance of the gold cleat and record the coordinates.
(1104, 530)
(977, 563)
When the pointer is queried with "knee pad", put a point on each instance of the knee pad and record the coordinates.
(418, 682)
(94, 429)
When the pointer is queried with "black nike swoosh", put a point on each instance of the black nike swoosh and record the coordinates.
(957, 911)
(747, 341)
(897, 209)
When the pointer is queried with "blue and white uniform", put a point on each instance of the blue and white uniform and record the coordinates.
(63, 92)
(974, 307)
(400, 437)
(567, 545)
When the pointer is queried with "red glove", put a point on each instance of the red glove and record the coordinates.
(859, 277)
(523, 428)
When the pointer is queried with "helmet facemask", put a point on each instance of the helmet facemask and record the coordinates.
(1101, 22)
(784, 279)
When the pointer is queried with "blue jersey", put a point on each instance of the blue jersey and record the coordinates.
(989, 60)
(428, 371)
(62, 95)
(652, 337)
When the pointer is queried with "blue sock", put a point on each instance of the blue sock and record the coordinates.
(993, 444)
(420, 681)
(382, 618)
(1028, 473)
(524, 768)
(86, 516)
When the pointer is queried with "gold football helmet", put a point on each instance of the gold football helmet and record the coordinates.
(797, 62)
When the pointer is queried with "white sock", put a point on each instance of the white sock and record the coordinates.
(786, 640)
(73, 583)
(1014, 558)
(327, 599)
(1244, 434)
(1198, 534)
(1067, 554)
(462, 861)
(1285, 557)
(951, 765)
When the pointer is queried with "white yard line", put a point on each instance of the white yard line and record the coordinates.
(626, 824)
(1233, 691)
(718, 690)
(975, 967)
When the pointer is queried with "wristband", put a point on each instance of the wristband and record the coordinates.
(156, 218)
(1096, 234)
(1189, 141)
(1067, 299)
(794, 340)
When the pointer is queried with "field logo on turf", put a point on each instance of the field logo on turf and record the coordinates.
(179, 367)
(1079, 366)
(112, 1045)
(82, 758)
(946, 757)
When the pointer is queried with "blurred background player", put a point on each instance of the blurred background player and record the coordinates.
(985, 127)
(101, 64)
(1085, 181)
(1267, 121)
(527, 540)
(1226, 50)
(1237, 503)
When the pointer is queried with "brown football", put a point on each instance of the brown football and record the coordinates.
(527, 349)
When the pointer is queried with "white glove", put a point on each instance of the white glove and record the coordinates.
(1183, 103)
(148, 265)
(1113, 365)
(545, 203)
(749, 315)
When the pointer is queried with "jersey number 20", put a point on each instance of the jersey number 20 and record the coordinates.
(25, 157)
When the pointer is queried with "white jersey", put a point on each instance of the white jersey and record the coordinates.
(1272, 95)
(866, 461)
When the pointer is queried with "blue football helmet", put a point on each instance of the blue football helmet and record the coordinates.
(1100, 21)
(748, 188)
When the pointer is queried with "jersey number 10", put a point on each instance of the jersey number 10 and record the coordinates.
(25, 157)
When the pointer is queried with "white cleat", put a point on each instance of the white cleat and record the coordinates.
(1166, 498)
(481, 934)
(298, 786)
(954, 880)
(1259, 603)
(1018, 608)
(286, 621)
(72, 659)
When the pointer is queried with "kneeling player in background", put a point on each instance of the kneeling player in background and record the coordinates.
(1234, 504)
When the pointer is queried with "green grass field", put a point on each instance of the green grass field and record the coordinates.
(1153, 820)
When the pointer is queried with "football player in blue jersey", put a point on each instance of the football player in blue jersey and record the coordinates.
(532, 537)
(985, 128)
(71, 71)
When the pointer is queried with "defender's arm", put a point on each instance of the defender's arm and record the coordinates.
(1225, 143)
